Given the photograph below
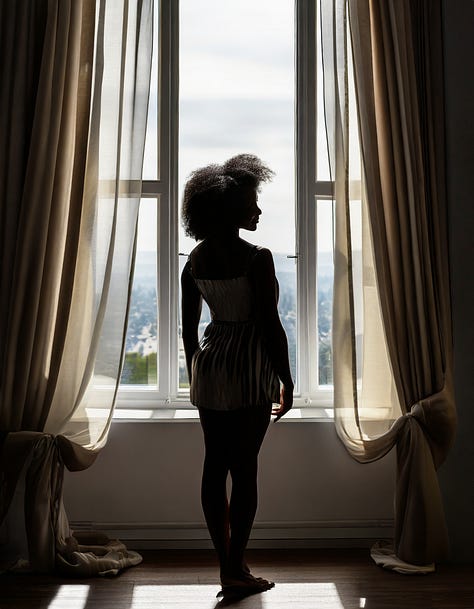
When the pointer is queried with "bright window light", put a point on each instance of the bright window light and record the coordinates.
(302, 595)
(70, 597)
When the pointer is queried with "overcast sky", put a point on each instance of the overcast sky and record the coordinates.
(237, 95)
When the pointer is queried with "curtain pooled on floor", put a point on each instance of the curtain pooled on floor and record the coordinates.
(73, 112)
(392, 342)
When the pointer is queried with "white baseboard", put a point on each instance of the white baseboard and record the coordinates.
(284, 535)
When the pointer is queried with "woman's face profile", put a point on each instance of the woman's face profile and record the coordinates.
(250, 210)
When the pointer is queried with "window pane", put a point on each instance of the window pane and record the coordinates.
(286, 273)
(325, 279)
(183, 381)
(140, 365)
(237, 84)
(357, 270)
(150, 160)
(237, 95)
(322, 160)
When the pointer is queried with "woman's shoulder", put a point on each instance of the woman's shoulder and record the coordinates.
(256, 250)
(261, 254)
(261, 263)
(195, 254)
(229, 260)
(197, 248)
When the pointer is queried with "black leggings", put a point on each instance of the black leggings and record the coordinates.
(232, 441)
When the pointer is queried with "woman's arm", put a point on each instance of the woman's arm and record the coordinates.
(262, 275)
(191, 304)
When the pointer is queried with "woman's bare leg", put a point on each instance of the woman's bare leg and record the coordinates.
(215, 505)
(243, 507)
(232, 442)
(214, 479)
(244, 499)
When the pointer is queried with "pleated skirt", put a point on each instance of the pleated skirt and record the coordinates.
(232, 368)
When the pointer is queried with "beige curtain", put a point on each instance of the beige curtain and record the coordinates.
(73, 108)
(392, 320)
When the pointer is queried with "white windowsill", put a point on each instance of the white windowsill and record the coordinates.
(186, 413)
(145, 405)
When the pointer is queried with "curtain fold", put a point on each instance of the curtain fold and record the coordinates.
(74, 119)
(394, 389)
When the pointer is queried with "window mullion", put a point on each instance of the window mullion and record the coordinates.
(167, 216)
(306, 208)
(173, 194)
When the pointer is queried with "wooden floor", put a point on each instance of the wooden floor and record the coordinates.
(305, 579)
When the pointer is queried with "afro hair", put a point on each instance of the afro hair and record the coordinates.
(212, 194)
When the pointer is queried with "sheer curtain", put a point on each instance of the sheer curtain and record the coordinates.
(393, 388)
(74, 118)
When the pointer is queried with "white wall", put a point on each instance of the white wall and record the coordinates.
(145, 486)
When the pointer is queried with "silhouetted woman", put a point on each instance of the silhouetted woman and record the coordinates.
(241, 366)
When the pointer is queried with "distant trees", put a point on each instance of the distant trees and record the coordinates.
(325, 333)
(139, 369)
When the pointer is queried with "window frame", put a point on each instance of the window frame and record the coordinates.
(165, 189)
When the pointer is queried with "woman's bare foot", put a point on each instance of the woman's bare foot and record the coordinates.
(242, 582)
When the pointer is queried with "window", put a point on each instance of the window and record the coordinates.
(249, 81)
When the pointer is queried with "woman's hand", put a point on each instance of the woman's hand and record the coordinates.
(286, 402)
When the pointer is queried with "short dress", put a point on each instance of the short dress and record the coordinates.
(231, 369)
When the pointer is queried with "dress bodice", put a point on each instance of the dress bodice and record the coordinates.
(229, 300)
